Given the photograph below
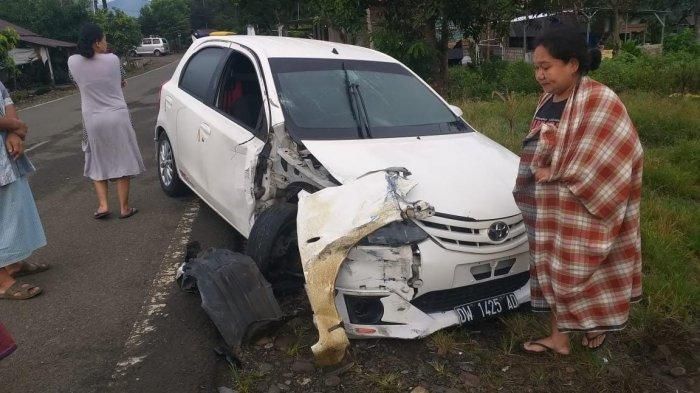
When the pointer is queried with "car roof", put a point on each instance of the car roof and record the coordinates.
(287, 47)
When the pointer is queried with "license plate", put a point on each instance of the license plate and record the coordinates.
(486, 308)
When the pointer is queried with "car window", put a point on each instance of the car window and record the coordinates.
(347, 99)
(165, 41)
(156, 42)
(200, 72)
(240, 96)
(146, 41)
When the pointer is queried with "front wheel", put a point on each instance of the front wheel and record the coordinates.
(273, 242)
(156, 53)
(167, 170)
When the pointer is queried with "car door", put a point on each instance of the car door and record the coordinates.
(231, 152)
(145, 44)
(157, 45)
(193, 103)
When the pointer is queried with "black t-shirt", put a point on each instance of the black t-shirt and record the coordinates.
(550, 112)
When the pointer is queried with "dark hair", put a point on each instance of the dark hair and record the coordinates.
(89, 34)
(566, 43)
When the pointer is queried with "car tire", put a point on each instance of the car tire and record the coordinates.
(272, 242)
(156, 53)
(133, 53)
(169, 179)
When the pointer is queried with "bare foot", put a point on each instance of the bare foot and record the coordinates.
(593, 340)
(558, 345)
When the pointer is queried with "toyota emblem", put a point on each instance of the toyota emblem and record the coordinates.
(498, 231)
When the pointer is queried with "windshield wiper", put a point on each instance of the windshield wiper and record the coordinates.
(357, 105)
(368, 130)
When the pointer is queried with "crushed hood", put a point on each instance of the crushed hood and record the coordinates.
(467, 175)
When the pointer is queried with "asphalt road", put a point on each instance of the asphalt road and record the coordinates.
(111, 317)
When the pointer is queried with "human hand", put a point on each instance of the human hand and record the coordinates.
(14, 145)
(21, 130)
(542, 174)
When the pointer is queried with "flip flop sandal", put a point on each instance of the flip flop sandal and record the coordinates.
(20, 291)
(589, 339)
(28, 268)
(100, 215)
(546, 348)
(130, 213)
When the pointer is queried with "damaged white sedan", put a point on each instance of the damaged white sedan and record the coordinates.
(250, 122)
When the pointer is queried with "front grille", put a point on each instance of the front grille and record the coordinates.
(469, 235)
(448, 299)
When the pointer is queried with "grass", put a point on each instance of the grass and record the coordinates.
(443, 342)
(669, 128)
(245, 381)
(388, 382)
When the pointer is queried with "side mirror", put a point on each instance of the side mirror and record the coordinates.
(456, 110)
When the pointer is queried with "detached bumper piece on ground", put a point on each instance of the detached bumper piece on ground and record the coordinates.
(332, 221)
(234, 294)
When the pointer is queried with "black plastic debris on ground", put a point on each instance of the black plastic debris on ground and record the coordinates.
(234, 294)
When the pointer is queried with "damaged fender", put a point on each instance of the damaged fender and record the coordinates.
(332, 221)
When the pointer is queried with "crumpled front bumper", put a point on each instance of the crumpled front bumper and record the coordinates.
(407, 312)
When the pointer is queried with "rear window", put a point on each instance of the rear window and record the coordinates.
(201, 71)
(146, 41)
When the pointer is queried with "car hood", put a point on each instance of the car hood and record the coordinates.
(467, 175)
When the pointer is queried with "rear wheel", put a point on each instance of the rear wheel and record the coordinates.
(273, 243)
(167, 170)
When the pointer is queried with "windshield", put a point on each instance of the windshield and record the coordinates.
(349, 99)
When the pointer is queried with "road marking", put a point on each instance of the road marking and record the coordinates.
(155, 302)
(75, 94)
(35, 146)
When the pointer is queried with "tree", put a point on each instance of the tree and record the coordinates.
(122, 31)
(268, 15)
(166, 18)
(50, 18)
(417, 32)
(8, 40)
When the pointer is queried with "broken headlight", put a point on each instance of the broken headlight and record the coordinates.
(396, 234)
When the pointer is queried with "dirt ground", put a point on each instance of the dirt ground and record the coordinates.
(480, 358)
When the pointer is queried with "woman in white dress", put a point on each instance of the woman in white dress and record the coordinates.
(111, 150)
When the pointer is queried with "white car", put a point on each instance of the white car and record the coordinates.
(248, 122)
(155, 46)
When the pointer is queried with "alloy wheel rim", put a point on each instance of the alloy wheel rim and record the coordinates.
(165, 163)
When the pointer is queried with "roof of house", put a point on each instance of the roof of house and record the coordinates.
(33, 38)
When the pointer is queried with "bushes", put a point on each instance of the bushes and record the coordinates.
(674, 72)
(481, 82)
(677, 72)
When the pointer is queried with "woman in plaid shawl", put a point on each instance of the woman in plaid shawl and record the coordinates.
(579, 187)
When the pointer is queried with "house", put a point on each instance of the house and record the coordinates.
(33, 47)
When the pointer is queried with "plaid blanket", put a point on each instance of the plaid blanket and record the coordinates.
(583, 222)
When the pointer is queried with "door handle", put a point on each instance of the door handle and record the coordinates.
(203, 132)
(205, 129)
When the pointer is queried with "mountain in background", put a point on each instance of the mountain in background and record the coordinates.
(130, 7)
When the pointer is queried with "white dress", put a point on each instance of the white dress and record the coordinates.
(111, 150)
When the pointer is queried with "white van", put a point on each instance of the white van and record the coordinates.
(155, 46)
